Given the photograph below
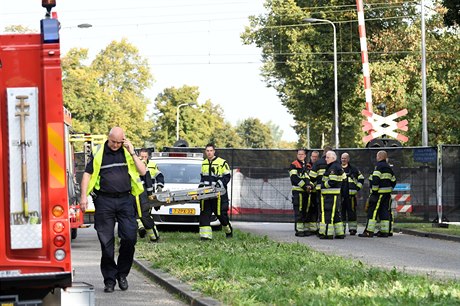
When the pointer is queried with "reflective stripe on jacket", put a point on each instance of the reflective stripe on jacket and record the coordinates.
(354, 181)
(332, 179)
(156, 174)
(136, 184)
(382, 179)
(298, 173)
(215, 170)
(317, 172)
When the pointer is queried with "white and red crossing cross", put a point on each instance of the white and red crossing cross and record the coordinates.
(376, 125)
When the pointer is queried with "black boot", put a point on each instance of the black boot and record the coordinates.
(366, 234)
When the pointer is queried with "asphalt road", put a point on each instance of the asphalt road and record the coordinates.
(438, 258)
(427, 256)
(86, 254)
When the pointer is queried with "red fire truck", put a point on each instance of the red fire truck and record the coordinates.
(34, 211)
(76, 215)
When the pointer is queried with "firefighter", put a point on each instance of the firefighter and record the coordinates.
(312, 202)
(316, 175)
(301, 186)
(215, 171)
(113, 176)
(350, 187)
(145, 223)
(330, 218)
(382, 182)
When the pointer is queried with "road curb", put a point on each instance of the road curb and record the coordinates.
(429, 235)
(174, 285)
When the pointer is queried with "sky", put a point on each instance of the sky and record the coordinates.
(187, 42)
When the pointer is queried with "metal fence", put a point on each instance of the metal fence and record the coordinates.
(428, 182)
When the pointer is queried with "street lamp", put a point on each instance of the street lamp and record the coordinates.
(336, 95)
(177, 117)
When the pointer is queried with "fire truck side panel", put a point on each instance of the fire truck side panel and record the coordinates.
(27, 62)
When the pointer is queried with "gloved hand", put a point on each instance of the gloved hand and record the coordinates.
(152, 197)
(201, 185)
(159, 189)
(157, 208)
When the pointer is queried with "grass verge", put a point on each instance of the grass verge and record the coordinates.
(427, 227)
(253, 270)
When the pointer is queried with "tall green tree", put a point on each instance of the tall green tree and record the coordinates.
(298, 63)
(452, 15)
(108, 92)
(198, 124)
(255, 134)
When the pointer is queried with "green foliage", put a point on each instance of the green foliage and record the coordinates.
(252, 270)
(298, 63)
(452, 16)
(109, 91)
(198, 124)
(255, 134)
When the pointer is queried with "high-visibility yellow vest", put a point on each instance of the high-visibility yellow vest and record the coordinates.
(136, 184)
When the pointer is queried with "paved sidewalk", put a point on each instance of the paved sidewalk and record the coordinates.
(86, 254)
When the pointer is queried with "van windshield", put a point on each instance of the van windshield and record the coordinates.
(180, 173)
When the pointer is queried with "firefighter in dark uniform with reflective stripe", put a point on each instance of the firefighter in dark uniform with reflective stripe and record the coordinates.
(330, 217)
(301, 186)
(317, 171)
(113, 177)
(145, 223)
(312, 203)
(382, 182)
(215, 171)
(350, 187)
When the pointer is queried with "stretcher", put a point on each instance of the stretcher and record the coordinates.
(185, 196)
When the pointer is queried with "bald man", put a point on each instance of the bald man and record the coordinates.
(330, 220)
(382, 182)
(113, 177)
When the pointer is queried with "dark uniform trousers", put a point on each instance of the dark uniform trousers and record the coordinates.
(349, 210)
(146, 218)
(312, 212)
(220, 209)
(300, 204)
(379, 208)
(330, 217)
(108, 211)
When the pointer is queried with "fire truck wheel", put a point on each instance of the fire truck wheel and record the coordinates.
(73, 233)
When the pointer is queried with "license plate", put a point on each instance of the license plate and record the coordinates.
(10, 273)
(182, 211)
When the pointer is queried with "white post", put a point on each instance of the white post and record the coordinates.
(424, 111)
(336, 90)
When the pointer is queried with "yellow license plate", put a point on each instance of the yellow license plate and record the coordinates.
(182, 211)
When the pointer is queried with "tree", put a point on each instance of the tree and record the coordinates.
(108, 92)
(452, 15)
(298, 63)
(198, 124)
(255, 134)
